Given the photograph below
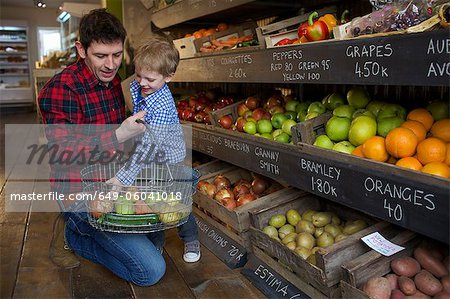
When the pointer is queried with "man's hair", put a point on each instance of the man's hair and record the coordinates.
(157, 54)
(100, 26)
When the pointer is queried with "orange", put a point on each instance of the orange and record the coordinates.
(447, 155)
(437, 168)
(187, 35)
(197, 34)
(417, 128)
(431, 149)
(208, 32)
(401, 142)
(421, 115)
(222, 27)
(409, 162)
(358, 151)
(441, 129)
(374, 148)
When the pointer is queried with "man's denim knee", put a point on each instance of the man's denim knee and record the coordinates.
(150, 274)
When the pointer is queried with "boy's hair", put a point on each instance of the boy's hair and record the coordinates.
(157, 54)
(100, 26)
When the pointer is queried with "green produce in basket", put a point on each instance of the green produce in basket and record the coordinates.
(171, 213)
(124, 206)
(128, 220)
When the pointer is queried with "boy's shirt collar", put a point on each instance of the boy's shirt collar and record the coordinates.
(138, 99)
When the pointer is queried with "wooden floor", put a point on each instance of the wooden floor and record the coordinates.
(26, 271)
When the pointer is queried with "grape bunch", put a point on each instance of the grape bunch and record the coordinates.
(406, 18)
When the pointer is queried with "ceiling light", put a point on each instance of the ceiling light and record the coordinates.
(40, 4)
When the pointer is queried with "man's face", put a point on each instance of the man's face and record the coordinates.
(150, 81)
(102, 59)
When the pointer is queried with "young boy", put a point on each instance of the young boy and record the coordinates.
(155, 64)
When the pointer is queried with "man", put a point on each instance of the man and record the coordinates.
(89, 93)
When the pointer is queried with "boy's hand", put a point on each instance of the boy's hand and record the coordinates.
(130, 128)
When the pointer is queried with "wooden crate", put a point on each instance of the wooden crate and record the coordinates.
(270, 34)
(239, 218)
(327, 273)
(185, 47)
(215, 166)
(307, 131)
(230, 110)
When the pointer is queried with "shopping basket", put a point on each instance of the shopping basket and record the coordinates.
(160, 198)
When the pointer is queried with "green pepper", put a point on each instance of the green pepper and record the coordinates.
(249, 43)
(345, 17)
(316, 30)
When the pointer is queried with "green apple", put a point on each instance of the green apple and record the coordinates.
(333, 101)
(337, 128)
(287, 125)
(385, 125)
(344, 147)
(251, 119)
(317, 107)
(357, 97)
(291, 105)
(264, 126)
(362, 128)
(344, 111)
(291, 115)
(311, 115)
(323, 141)
(276, 132)
(375, 106)
(250, 127)
(267, 136)
(301, 115)
(278, 119)
(390, 110)
(363, 111)
(439, 110)
(283, 137)
(303, 106)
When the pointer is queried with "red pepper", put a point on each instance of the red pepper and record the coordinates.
(317, 30)
(285, 41)
(302, 29)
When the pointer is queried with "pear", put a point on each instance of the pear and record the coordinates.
(305, 226)
(333, 229)
(285, 230)
(277, 221)
(291, 245)
(321, 219)
(289, 238)
(308, 214)
(306, 240)
(325, 240)
(318, 232)
(293, 217)
(335, 219)
(340, 237)
(352, 227)
(303, 252)
(270, 231)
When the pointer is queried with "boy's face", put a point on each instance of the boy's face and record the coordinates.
(150, 81)
(102, 59)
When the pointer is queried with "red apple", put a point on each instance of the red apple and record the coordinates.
(274, 101)
(203, 100)
(223, 193)
(193, 101)
(241, 109)
(221, 182)
(207, 109)
(199, 107)
(188, 114)
(239, 124)
(226, 100)
(252, 102)
(183, 104)
(207, 119)
(260, 113)
(276, 109)
(246, 198)
(200, 117)
(225, 121)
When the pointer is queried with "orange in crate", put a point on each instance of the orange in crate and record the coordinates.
(421, 115)
(417, 128)
(358, 151)
(441, 129)
(431, 149)
(374, 148)
(437, 168)
(401, 142)
(409, 162)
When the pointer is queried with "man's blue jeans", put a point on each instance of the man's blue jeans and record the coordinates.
(133, 257)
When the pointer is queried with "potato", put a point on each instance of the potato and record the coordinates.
(406, 285)
(442, 295)
(393, 280)
(427, 283)
(418, 295)
(430, 263)
(405, 266)
(377, 288)
(397, 294)
(446, 283)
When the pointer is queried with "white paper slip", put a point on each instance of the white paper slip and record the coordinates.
(378, 243)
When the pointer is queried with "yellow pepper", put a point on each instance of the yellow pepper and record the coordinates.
(330, 20)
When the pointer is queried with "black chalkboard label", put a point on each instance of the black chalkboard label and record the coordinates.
(269, 282)
(226, 249)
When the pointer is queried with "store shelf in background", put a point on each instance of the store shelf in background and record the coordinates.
(389, 60)
(410, 199)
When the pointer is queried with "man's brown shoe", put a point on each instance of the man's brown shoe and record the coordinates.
(59, 253)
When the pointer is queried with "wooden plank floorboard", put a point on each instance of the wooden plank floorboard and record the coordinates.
(171, 285)
(210, 277)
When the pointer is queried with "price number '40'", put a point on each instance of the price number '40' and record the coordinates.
(394, 211)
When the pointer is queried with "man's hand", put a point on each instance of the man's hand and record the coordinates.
(130, 128)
